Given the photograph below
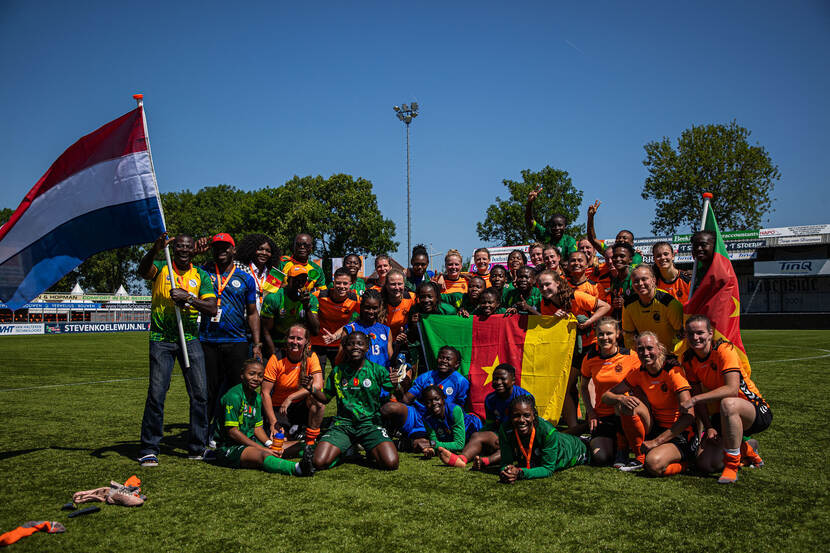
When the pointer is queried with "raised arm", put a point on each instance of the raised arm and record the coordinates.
(592, 234)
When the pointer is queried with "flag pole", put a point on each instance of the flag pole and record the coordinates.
(707, 196)
(139, 98)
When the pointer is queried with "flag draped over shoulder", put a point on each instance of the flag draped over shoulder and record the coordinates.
(540, 348)
(100, 194)
(717, 295)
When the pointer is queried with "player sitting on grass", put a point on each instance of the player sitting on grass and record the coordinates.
(288, 407)
(534, 445)
(483, 447)
(357, 384)
(648, 402)
(408, 413)
(241, 439)
(735, 406)
(447, 425)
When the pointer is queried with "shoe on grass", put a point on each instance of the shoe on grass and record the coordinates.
(149, 460)
(621, 459)
(632, 466)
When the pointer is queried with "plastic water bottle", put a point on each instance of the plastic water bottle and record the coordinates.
(279, 439)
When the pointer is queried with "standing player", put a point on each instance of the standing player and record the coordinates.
(523, 297)
(554, 231)
(735, 406)
(451, 280)
(481, 260)
(552, 259)
(241, 440)
(515, 260)
(606, 366)
(336, 307)
(380, 336)
(418, 264)
(651, 309)
(382, 266)
(498, 280)
(537, 258)
(623, 236)
(620, 290)
(291, 304)
(648, 402)
(357, 384)
(670, 278)
(534, 445)
(352, 263)
(578, 277)
(300, 257)
(465, 304)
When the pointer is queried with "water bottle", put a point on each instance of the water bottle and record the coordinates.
(279, 439)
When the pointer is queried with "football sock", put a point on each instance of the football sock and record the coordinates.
(731, 463)
(674, 468)
(279, 465)
(749, 455)
(311, 435)
(455, 459)
(635, 433)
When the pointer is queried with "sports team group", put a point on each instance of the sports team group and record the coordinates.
(269, 342)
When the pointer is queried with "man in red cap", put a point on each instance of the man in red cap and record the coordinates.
(291, 304)
(223, 336)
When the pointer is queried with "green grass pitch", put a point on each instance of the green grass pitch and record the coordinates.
(71, 411)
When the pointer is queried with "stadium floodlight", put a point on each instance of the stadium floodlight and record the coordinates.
(406, 113)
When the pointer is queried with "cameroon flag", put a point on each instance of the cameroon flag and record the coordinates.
(717, 295)
(539, 347)
(273, 280)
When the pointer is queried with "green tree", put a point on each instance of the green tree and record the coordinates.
(104, 272)
(505, 222)
(710, 158)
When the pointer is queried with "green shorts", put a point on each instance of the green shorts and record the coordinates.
(229, 456)
(342, 434)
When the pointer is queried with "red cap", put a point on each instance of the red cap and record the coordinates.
(707, 195)
(223, 237)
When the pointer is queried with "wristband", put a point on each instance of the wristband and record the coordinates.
(268, 443)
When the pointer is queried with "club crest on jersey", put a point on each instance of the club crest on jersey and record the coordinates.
(383, 337)
(664, 387)
(656, 317)
(448, 391)
(236, 284)
(192, 282)
(367, 383)
(618, 368)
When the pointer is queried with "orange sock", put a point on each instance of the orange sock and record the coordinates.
(731, 464)
(28, 529)
(133, 481)
(635, 433)
(311, 435)
(750, 457)
(674, 468)
(453, 461)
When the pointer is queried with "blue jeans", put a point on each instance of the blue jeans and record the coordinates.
(163, 356)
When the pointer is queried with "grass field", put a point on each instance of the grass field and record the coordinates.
(72, 406)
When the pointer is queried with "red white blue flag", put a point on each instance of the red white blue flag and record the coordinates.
(100, 194)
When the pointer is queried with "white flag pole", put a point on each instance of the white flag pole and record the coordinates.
(707, 196)
(139, 98)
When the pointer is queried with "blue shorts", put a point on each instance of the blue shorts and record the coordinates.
(472, 424)
(414, 425)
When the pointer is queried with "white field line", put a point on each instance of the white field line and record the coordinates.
(72, 384)
(827, 354)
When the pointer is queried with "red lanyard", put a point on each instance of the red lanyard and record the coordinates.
(222, 284)
(526, 452)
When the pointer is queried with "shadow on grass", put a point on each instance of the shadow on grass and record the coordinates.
(10, 454)
(172, 445)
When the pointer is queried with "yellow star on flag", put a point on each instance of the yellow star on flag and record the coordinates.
(737, 312)
(489, 370)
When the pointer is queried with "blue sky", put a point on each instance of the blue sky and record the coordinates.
(250, 94)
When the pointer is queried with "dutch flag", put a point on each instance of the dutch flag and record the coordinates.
(100, 194)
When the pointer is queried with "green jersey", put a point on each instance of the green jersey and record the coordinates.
(163, 325)
(285, 312)
(513, 296)
(566, 245)
(552, 450)
(241, 413)
(453, 438)
(358, 391)
(459, 301)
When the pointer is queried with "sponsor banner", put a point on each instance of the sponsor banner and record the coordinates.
(638, 242)
(794, 231)
(51, 305)
(71, 328)
(731, 245)
(806, 239)
(732, 235)
(793, 267)
(499, 254)
(21, 328)
(93, 297)
(687, 257)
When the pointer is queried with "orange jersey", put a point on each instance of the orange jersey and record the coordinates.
(286, 376)
(333, 315)
(607, 372)
(581, 304)
(678, 288)
(458, 285)
(661, 391)
(588, 286)
(397, 315)
(709, 373)
(602, 276)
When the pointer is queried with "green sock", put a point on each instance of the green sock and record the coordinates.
(278, 465)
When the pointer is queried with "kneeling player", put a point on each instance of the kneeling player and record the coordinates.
(241, 440)
(736, 404)
(357, 383)
(447, 425)
(535, 445)
(656, 430)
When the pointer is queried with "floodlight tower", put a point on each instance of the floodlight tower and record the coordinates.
(407, 113)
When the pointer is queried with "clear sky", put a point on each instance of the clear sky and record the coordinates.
(250, 94)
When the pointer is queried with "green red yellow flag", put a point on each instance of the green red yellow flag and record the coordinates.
(717, 295)
(539, 347)
(273, 281)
